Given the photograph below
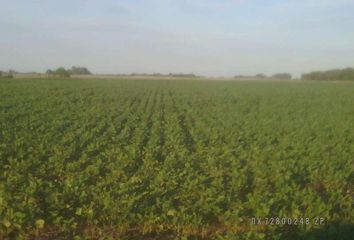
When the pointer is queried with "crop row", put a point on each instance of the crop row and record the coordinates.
(90, 158)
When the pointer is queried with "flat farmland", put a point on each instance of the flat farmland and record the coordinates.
(177, 159)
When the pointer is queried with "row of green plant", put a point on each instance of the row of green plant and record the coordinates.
(123, 159)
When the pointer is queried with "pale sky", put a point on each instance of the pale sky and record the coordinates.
(206, 37)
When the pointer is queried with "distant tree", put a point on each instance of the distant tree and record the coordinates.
(346, 74)
(183, 75)
(282, 76)
(12, 72)
(79, 71)
(261, 76)
(61, 72)
(6, 75)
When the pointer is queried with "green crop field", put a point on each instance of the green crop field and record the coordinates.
(177, 159)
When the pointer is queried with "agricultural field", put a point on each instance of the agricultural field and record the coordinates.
(177, 159)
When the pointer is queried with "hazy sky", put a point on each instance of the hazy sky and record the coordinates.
(209, 37)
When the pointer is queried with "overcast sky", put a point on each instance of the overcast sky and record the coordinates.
(208, 37)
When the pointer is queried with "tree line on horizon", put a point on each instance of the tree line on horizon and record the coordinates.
(346, 74)
(8, 74)
(62, 72)
(184, 75)
(277, 76)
